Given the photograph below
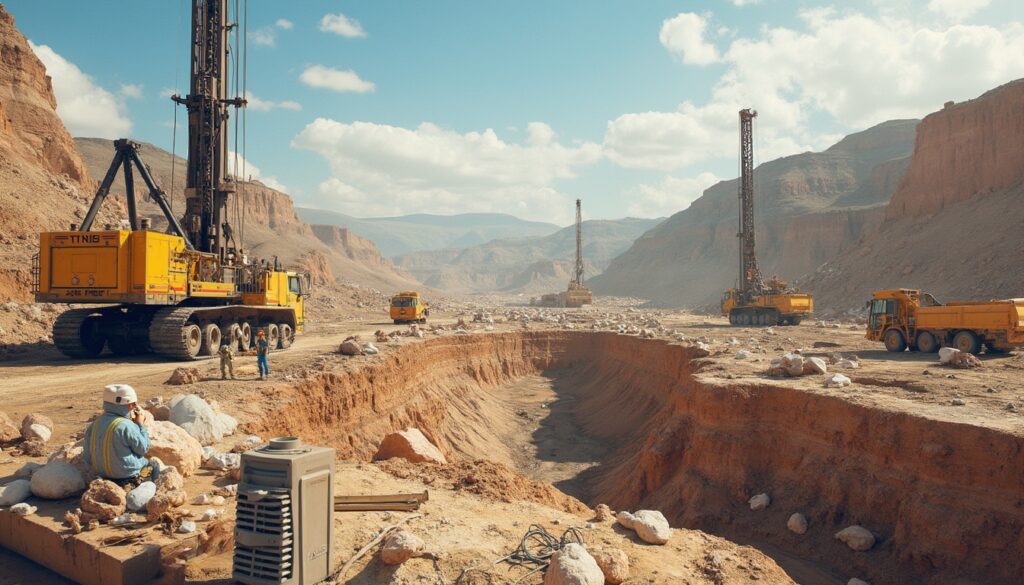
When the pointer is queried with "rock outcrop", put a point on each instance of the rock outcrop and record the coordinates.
(409, 444)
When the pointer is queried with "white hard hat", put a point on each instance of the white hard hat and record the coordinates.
(119, 394)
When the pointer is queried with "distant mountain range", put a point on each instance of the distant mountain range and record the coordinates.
(530, 264)
(411, 233)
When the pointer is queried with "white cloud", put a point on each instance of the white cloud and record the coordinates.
(340, 24)
(683, 35)
(335, 80)
(670, 196)
(247, 170)
(284, 23)
(386, 170)
(167, 92)
(131, 90)
(849, 68)
(261, 105)
(263, 37)
(745, 2)
(957, 10)
(86, 108)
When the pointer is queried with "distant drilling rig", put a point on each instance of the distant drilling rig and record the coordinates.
(755, 301)
(577, 294)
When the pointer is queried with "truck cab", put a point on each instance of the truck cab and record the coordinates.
(409, 307)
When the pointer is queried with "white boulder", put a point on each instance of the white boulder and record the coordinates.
(573, 565)
(946, 354)
(400, 546)
(856, 537)
(140, 496)
(742, 354)
(15, 492)
(797, 523)
(223, 461)
(837, 381)
(815, 365)
(23, 509)
(650, 525)
(199, 419)
(409, 444)
(760, 502)
(57, 480)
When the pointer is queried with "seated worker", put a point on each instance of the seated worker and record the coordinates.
(116, 442)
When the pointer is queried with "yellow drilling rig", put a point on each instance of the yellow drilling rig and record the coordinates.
(177, 294)
(755, 301)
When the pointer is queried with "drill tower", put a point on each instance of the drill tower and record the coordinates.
(577, 278)
(751, 282)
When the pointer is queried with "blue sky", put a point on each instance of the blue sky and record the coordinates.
(390, 107)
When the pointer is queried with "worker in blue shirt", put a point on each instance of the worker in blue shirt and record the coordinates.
(262, 349)
(117, 441)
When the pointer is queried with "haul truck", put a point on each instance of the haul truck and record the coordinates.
(409, 307)
(755, 301)
(177, 294)
(906, 318)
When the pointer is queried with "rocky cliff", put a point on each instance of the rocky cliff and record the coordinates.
(955, 226)
(528, 264)
(809, 207)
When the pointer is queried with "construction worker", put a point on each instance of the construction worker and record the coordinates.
(227, 364)
(117, 441)
(262, 349)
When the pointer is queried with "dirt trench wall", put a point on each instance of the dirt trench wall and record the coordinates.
(946, 500)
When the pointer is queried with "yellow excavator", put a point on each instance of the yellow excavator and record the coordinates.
(756, 301)
(181, 293)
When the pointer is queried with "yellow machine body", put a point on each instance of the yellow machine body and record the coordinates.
(772, 309)
(908, 318)
(409, 307)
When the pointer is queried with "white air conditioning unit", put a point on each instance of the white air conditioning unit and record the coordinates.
(284, 519)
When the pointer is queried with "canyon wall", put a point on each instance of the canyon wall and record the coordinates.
(953, 227)
(808, 208)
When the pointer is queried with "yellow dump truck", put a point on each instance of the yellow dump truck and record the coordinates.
(784, 308)
(906, 318)
(409, 307)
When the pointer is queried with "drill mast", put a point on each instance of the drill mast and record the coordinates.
(751, 282)
(207, 185)
(578, 275)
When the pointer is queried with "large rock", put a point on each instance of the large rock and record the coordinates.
(15, 492)
(174, 446)
(815, 365)
(38, 432)
(400, 546)
(573, 565)
(8, 432)
(613, 563)
(28, 433)
(170, 493)
(411, 445)
(350, 347)
(946, 354)
(104, 499)
(856, 537)
(182, 376)
(199, 419)
(797, 523)
(57, 480)
(650, 525)
(837, 381)
(140, 496)
(760, 502)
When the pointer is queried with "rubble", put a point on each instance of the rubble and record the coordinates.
(409, 444)
(400, 546)
(650, 525)
(573, 565)
(170, 493)
(350, 347)
(184, 375)
(24, 509)
(603, 513)
(104, 499)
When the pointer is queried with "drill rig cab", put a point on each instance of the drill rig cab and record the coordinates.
(183, 293)
(755, 301)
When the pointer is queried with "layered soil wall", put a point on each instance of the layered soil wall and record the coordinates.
(945, 500)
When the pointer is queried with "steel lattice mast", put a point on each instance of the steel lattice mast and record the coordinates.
(207, 188)
(751, 281)
(578, 276)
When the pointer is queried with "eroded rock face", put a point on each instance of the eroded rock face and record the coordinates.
(573, 565)
(400, 546)
(411, 445)
(174, 446)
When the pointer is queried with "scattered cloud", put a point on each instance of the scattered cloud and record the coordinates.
(387, 170)
(167, 92)
(238, 166)
(263, 37)
(262, 105)
(847, 67)
(670, 196)
(335, 80)
(744, 2)
(957, 10)
(86, 108)
(284, 23)
(683, 36)
(342, 25)
(131, 90)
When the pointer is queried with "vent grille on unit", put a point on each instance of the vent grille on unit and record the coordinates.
(270, 516)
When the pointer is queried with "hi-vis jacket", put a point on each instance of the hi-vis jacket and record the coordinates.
(115, 446)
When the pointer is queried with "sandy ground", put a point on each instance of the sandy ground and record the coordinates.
(992, 397)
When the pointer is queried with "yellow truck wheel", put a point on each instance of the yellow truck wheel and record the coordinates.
(894, 341)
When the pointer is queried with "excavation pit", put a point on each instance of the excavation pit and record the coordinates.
(643, 424)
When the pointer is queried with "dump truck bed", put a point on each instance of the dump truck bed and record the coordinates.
(1001, 315)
